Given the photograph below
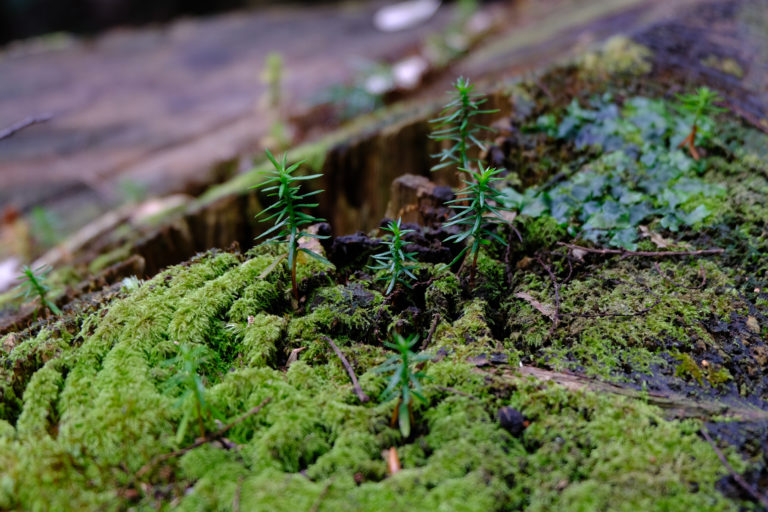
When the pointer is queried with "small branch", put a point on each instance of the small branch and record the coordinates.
(545, 90)
(199, 442)
(320, 497)
(649, 254)
(29, 121)
(236, 498)
(556, 314)
(431, 333)
(355, 384)
(760, 498)
(703, 274)
(458, 392)
(508, 269)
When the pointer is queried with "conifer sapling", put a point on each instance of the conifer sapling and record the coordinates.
(405, 381)
(33, 285)
(397, 263)
(457, 126)
(479, 208)
(287, 212)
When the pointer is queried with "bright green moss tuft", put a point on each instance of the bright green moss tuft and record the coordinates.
(263, 339)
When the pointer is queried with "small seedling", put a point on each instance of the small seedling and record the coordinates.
(33, 285)
(272, 78)
(287, 212)
(476, 218)
(45, 226)
(394, 261)
(700, 105)
(186, 378)
(456, 126)
(404, 382)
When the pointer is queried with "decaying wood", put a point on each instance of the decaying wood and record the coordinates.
(418, 200)
(624, 253)
(355, 384)
(673, 404)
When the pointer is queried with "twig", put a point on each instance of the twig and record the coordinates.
(508, 272)
(458, 392)
(570, 268)
(556, 315)
(316, 505)
(762, 499)
(29, 121)
(199, 442)
(236, 499)
(703, 274)
(650, 254)
(431, 332)
(356, 385)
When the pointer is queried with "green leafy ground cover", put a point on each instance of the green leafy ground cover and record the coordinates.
(90, 407)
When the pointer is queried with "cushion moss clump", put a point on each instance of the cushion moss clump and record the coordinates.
(443, 293)
(351, 311)
(197, 314)
(263, 339)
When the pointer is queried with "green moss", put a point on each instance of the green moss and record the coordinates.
(604, 453)
(256, 297)
(541, 232)
(263, 339)
(689, 369)
(443, 293)
(623, 317)
(350, 311)
(470, 335)
(490, 281)
(6, 430)
(80, 415)
(619, 55)
(39, 413)
(200, 312)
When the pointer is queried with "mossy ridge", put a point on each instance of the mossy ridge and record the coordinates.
(111, 417)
